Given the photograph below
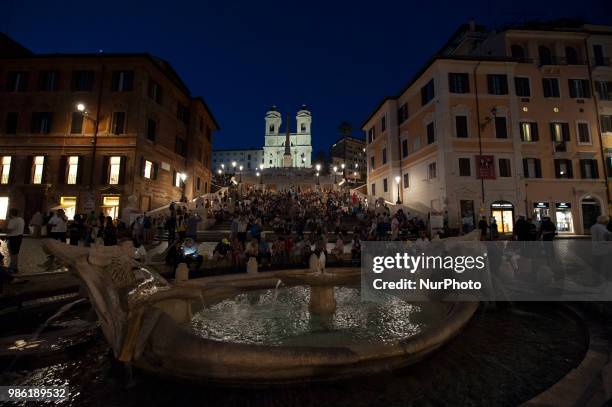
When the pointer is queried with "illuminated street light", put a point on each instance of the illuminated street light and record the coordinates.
(335, 171)
(81, 107)
(397, 181)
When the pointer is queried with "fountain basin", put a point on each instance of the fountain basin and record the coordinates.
(154, 331)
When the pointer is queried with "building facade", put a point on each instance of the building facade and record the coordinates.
(87, 131)
(250, 159)
(496, 124)
(301, 143)
(349, 151)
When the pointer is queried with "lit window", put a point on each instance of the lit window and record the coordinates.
(73, 169)
(39, 163)
(5, 170)
(4, 202)
(114, 170)
(68, 203)
(177, 179)
(110, 206)
(148, 169)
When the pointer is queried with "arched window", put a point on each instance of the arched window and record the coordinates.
(303, 128)
(271, 129)
(545, 55)
(517, 51)
(571, 55)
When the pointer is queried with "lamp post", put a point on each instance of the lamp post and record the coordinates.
(261, 167)
(240, 179)
(318, 167)
(335, 170)
(397, 181)
(355, 177)
(343, 174)
(258, 176)
(82, 108)
(234, 167)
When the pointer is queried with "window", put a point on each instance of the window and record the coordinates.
(606, 123)
(598, 54)
(517, 51)
(123, 81)
(384, 156)
(579, 88)
(458, 83)
(72, 171)
(82, 81)
(402, 113)
(521, 86)
(371, 134)
(114, 170)
(532, 168)
(584, 135)
(431, 171)
(372, 160)
(4, 204)
(545, 55)
(182, 113)
(497, 84)
(151, 129)
(550, 87)
(11, 122)
(431, 134)
(303, 128)
(385, 185)
(609, 166)
(501, 130)
(406, 180)
(427, 92)
(17, 82)
(416, 144)
(604, 88)
(5, 169)
(76, 124)
(180, 146)
(373, 188)
(47, 81)
(529, 132)
(177, 179)
(41, 122)
(571, 56)
(504, 167)
(464, 167)
(404, 148)
(154, 91)
(383, 123)
(198, 183)
(118, 123)
(461, 126)
(588, 169)
(148, 169)
(38, 165)
(563, 168)
(559, 132)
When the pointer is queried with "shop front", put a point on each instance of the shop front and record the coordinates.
(503, 212)
(110, 205)
(563, 217)
(541, 210)
(590, 211)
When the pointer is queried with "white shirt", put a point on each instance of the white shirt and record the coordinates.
(14, 226)
(59, 224)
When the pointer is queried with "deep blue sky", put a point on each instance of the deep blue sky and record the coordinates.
(338, 57)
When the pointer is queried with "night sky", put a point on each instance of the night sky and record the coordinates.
(338, 57)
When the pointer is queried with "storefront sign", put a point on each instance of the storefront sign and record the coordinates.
(502, 205)
(543, 205)
(563, 205)
(485, 165)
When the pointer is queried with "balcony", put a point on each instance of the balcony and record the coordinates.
(560, 147)
(561, 61)
(601, 61)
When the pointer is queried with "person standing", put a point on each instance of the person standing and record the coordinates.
(483, 226)
(548, 230)
(36, 223)
(599, 234)
(14, 233)
(58, 225)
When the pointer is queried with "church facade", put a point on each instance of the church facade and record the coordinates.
(300, 144)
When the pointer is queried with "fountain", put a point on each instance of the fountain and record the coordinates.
(251, 329)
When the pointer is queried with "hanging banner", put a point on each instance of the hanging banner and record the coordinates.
(485, 167)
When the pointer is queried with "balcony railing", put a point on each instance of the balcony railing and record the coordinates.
(601, 61)
(561, 61)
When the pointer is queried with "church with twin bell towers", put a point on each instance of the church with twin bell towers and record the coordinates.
(285, 148)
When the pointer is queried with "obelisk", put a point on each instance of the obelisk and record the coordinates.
(287, 161)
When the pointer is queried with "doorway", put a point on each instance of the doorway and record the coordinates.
(590, 211)
(503, 212)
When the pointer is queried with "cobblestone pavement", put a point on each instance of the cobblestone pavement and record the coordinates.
(30, 256)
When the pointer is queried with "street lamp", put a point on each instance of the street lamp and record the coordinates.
(183, 177)
(234, 166)
(240, 180)
(355, 177)
(258, 176)
(335, 170)
(261, 167)
(82, 108)
(397, 181)
(343, 173)
(318, 167)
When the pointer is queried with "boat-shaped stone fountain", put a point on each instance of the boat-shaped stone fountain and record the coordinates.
(272, 327)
